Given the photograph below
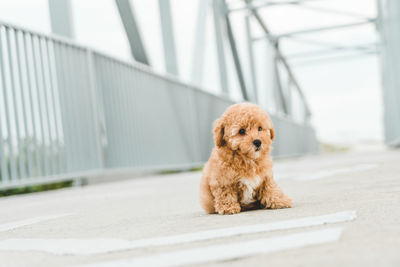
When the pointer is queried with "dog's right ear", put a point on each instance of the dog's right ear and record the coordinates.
(219, 129)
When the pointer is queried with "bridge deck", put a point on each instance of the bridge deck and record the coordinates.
(349, 204)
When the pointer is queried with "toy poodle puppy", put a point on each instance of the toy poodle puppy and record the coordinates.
(238, 176)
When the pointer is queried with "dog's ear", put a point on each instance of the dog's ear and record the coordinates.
(272, 133)
(219, 130)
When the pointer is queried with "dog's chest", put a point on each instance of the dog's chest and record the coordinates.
(249, 186)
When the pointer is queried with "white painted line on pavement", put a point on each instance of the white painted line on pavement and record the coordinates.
(66, 246)
(329, 173)
(13, 225)
(93, 246)
(248, 229)
(229, 251)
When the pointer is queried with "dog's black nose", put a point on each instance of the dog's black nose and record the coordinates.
(257, 142)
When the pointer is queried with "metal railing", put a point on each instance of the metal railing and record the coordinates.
(47, 123)
(388, 25)
(67, 111)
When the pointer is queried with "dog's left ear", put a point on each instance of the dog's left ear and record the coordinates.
(219, 130)
(272, 133)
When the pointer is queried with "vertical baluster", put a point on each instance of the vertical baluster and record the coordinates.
(39, 84)
(74, 108)
(23, 89)
(54, 100)
(13, 168)
(66, 127)
(46, 105)
(97, 106)
(70, 110)
(126, 116)
(90, 109)
(115, 107)
(129, 100)
(101, 84)
(80, 105)
(3, 161)
(29, 64)
(13, 86)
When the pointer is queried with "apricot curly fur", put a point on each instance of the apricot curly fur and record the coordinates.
(238, 175)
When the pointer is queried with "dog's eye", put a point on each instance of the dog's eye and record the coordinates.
(242, 131)
(259, 128)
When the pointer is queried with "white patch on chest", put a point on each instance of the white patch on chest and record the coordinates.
(250, 184)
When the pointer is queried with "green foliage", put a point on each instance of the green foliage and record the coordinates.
(35, 188)
(196, 169)
(170, 171)
(329, 148)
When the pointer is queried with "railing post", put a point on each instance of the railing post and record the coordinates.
(97, 105)
(3, 162)
(6, 97)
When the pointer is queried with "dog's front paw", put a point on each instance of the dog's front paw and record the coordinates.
(277, 202)
(228, 209)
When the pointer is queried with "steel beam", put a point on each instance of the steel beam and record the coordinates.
(235, 55)
(333, 11)
(318, 42)
(280, 57)
(334, 58)
(217, 9)
(270, 3)
(251, 59)
(331, 50)
(126, 13)
(278, 93)
(329, 28)
(61, 19)
(167, 31)
(199, 43)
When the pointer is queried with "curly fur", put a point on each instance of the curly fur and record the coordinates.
(238, 176)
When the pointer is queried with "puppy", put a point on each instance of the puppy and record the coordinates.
(238, 176)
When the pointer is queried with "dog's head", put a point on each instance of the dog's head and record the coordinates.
(246, 129)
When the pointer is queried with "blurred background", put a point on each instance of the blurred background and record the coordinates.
(110, 90)
(94, 85)
(336, 68)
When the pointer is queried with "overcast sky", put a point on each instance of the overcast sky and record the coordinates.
(344, 92)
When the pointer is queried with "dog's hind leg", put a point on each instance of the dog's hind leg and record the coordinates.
(206, 198)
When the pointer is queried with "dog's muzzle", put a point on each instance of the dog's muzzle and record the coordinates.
(257, 144)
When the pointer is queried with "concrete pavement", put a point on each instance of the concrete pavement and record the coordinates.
(157, 220)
